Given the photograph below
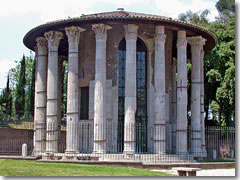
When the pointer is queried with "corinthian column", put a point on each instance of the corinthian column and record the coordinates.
(72, 141)
(100, 88)
(53, 38)
(159, 83)
(196, 144)
(174, 104)
(202, 101)
(181, 133)
(130, 89)
(40, 99)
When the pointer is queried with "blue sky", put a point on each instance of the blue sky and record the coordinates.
(17, 17)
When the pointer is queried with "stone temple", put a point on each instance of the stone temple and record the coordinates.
(126, 85)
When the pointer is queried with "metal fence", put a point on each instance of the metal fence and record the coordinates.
(220, 141)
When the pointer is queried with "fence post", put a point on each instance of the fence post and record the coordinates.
(24, 149)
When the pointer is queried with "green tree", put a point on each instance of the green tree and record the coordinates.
(199, 18)
(29, 87)
(20, 89)
(226, 5)
(6, 101)
(219, 65)
(64, 88)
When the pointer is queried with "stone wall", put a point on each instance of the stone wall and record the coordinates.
(87, 72)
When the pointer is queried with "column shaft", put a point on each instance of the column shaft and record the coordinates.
(196, 143)
(160, 99)
(174, 105)
(40, 100)
(35, 100)
(72, 139)
(130, 89)
(202, 102)
(181, 147)
(100, 124)
(53, 38)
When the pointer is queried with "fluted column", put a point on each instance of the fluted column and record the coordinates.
(160, 95)
(72, 140)
(181, 147)
(40, 103)
(202, 101)
(196, 144)
(35, 100)
(100, 126)
(130, 89)
(53, 38)
(174, 104)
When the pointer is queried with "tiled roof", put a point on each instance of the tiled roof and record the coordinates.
(118, 15)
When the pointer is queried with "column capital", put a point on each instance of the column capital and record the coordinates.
(36, 50)
(73, 33)
(196, 41)
(42, 45)
(53, 38)
(131, 31)
(160, 36)
(202, 53)
(41, 42)
(181, 42)
(101, 31)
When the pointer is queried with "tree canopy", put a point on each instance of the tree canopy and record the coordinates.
(219, 63)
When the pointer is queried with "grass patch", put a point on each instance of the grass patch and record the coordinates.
(222, 160)
(33, 168)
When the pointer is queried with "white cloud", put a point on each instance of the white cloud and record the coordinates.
(173, 8)
(5, 65)
(56, 9)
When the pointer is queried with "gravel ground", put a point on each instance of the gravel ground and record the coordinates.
(208, 172)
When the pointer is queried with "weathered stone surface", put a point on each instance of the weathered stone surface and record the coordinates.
(53, 38)
(130, 88)
(73, 34)
(24, 149)
(160, 95)
(100, 88)
(196, 140)
(181, 134)
(40, 98)
(202, 102)
(92, 70)
(174, 104)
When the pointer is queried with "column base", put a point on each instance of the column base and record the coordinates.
(71, 152)
(67, 157)
(128, 152)
(99, 147)
(100, 152)
(48, 156)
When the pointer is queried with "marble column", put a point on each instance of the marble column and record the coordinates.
(72, 136)
(202, 101)
(160, 95)
(196, 144)
(100, 124)
(130, 88)
(174, 105)
(40, 99)
(60, 84)
(35, 100)
(181, 130)
(53, 38)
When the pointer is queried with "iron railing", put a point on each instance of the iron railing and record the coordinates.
(219, 141)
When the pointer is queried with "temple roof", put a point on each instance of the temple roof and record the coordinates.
(123, 17)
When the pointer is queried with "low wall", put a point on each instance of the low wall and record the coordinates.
(11, 140)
